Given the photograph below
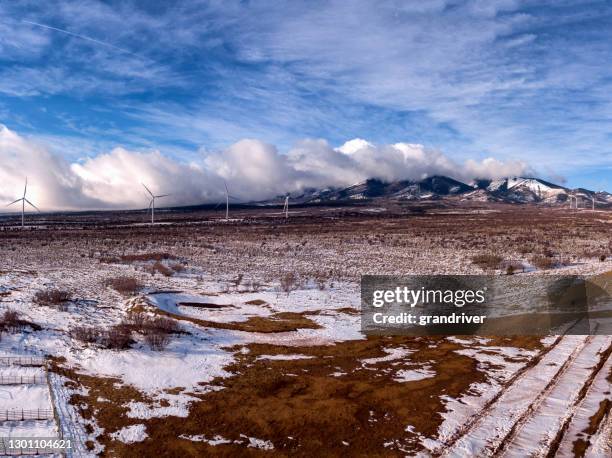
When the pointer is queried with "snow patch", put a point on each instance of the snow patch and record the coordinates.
(131, 434)
(413, 375)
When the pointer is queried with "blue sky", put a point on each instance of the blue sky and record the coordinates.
(515, 80)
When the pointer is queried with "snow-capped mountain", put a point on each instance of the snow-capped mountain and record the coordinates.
(510, 190)
(536, 190)
(431, 187)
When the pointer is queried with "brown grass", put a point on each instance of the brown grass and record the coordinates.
(263, 399)
(278, 322)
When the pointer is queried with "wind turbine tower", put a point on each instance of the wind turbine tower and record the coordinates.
(286, 207)
(152, 202)
(227, 198)
(226, 201)
(23, 201)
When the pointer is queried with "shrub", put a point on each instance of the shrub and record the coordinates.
(602, 257)
(510, 270)
(162, 269)
(136, 321)
(289, 282)
(157, 340)
(146, 257)
(128, 286)
(543, 262)
(162, 324)
(238, 281)
(53, 297)
(117, 337)
(156, 330)
(487, 261)
(255, 286)
(11, 320)
(84, 334)
(321, 281)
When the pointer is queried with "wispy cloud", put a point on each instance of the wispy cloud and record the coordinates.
(82, 37)
(510, 78)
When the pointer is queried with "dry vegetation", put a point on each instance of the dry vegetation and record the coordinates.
(334, 399)
(156, 331)
(53, 298)
(128, 286)
(12, 321)
(265, 398)
(487, 261)
(329, 246)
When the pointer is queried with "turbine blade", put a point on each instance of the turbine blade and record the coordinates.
(225, 184)
(25, 187)
(32, 204)
(148, 190)
(163, 195)
(14, 202)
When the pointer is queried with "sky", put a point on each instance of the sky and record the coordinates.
(98, 96)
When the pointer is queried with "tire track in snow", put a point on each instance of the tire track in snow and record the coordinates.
(470, 422)
(71, 427)
(486, 431)
(596, 396)
(539, 431)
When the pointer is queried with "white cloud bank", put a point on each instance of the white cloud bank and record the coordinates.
(254, 170)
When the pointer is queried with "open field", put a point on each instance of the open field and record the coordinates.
(199, 336)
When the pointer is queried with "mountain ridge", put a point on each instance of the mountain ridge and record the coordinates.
(515, 190)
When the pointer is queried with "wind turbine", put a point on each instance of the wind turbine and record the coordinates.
(227, 198)
(152, 202)
(286, 207)
(23, 201)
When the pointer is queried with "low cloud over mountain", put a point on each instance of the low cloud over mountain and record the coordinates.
(253, 170)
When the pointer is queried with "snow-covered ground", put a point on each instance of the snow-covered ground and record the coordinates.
(190, 360)
(193, 359)
(509, 408)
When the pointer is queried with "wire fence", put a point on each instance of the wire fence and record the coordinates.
(22, 380)
(61, 411)
(26, 414)
(36, 361)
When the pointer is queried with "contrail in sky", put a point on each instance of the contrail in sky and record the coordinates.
(82, 37)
